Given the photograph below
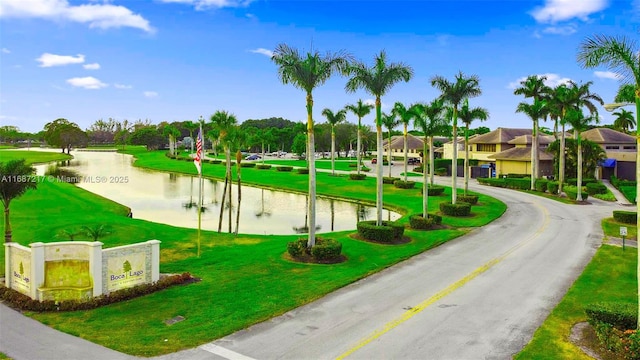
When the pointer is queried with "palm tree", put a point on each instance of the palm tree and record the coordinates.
(214, 137)
(12, 188)
(467, 115)
(96, 232)
(172, 132)
(626, 94)
(307, 73)
(377, 80)
(621, 55)
(224, 122)
(533, 86)
(580, 123)
(238, 139)
(534, 111)
(360, 110)
(624, 120)
(191, 126)
(430, 121)
(389, 121)
(454, 93)
(404, 117)
(333, 120)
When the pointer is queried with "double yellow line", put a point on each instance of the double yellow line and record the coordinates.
(448, 290)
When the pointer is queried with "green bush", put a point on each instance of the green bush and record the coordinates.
(400, 184)
(303, 170)
(224, 163)
(541, 185)
(248, 165)
(356, 176)
(297, 248)
(572, 193)
(458, 209)
(629, 192)
(574, 181)
(625, 217)
(388, 232)
(470, 199)
(326, 249)
(621, 182)
(284, 168)
(216, 161)
(263, 166)
(389, 180)
(517, 176)
(352, 165)
(365, 169)
(420, 223)
(623, 316)
(596, 188)
(518, 183)
(499, 182)
(552, 187)
(418, 169)
(435, 190)
(441, 171)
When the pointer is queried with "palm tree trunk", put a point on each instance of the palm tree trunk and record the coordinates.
(224, 194)
(389, 152)
(333, 151)
(359, 146)
(227, 152)
(533, 156)
(311, 210)
(561, 165)
(239, 194)
(638, 188)
(405, 152)
(425, 188)
(579, 184)
(7, 224)
(454, 161)
(379, 163)
(466, 159)
(431, 159)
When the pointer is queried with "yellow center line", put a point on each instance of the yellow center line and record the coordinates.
(448, 290)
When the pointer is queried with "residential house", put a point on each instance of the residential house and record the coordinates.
(483, 146)
(517, 159)
(620, 149)
(415, 146)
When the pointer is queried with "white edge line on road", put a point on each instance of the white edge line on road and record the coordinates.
(225, 353)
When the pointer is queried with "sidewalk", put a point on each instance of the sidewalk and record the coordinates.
(620, 198)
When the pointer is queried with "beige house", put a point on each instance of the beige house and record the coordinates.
(517, 160)
(620, 149)
(483, 146)
(415, 146)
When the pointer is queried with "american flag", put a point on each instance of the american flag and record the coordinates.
(197, 160)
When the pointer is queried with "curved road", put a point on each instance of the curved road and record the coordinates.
(480, 296)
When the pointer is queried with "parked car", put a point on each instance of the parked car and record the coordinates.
(413, 161)
(375, 161)
(253, 157)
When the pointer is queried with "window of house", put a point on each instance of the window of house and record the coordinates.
(487, 147)
(612, 147)
(630, 147)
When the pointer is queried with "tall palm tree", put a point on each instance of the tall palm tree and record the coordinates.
(333, 119)
(580, 123)
(172, 132)
(534, 111)
(404, 117)
(430, 121)
(360, 110)
(621, 55)
(453, 93)
(533, 86)
(11, 189)
(467, 115)
(191, 126)
(224, 122)
(624, 120)
(390, 122)
(377, 80)
(307, 73)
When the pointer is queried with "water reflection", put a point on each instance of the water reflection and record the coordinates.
(173, 199)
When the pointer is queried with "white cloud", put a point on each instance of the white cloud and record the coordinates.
(121, 86)
(94, 66)
(49, 60)
(101, 16)
(560, 30)
(6, 51)
(607, 75)
(263, 51)
(150, 94)
(88, 82)
(561, 10)
(552, 80)
(208, 4)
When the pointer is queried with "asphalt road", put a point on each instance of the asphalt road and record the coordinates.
(480, 296)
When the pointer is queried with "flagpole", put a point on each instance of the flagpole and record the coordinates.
(199, 154)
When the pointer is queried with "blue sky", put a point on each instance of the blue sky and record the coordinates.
(173, 60)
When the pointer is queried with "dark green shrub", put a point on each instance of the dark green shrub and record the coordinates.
(284, 168)
(303, 170)
(326, 249)
(389, 180)
(541, 185)
(64, 174)
(400, 184)
(552, 187)
(263, 166)
(625, 217)
(353, 165)
(470, 199)
(517, 176)
(623, 316)
(572, 193)
(498, 182)
(596, 188)
(419, 223)
(365, 169)
(224, 163)
(458, 209)
(418, 169)
(574, 181)
(437, 219)
(388, 232)
(518, 183)
(247, 165)
(297, 248)
(216, 161)
(356, 176)
(435, 190)
(441, 171)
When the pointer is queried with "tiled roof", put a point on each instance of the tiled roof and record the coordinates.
(526, 140)
(608, 136)
(520, 154)
(500, 136)
(413, 142)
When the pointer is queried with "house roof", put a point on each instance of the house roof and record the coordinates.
(520, 154)
(608, 136)
(500, 136)
(413, 142)
(526, 140)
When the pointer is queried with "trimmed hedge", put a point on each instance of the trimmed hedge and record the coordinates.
(352, 165)
(323, 250)
(457, 209)
(435, 190)
(400, 184)
(470, 199)
(553, 187)
(419, 223)
(518, 183)
(517, 176)
(574, 181)
(541, 185)
(437, 219)
(596, 188)
(263, 166)
(356, 176)
(623, 316)
(302, 170)
(388, 232)
(389, 180)
(284, 168)
(440, 171)
(216, 161)
(248, 165)
(572, 193)
(365, 169)
(499, 182)
(625, 217)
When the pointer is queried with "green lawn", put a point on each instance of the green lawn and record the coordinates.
(33, 157)
(245, 279)
(610, 276)
(612, 228)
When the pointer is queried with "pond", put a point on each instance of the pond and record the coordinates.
(172, 199)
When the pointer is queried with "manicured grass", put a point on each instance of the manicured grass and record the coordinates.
(610, 276)
(245, 279)
(629, 192)
(33, 157)
(612, 228)
(4, 357)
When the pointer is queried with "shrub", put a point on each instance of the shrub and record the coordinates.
(517, 176)
(458, 209)
(187, 158)
(352, 165)
(389, 180)
(596, 188)
(499, 182)
(303, 170)
(572, 193)
(365, 169)
(284, 168)
(224, 163)
(400, 184)
(326, 249)
(441, 171)
(552, 187)
(622, 316)
(470, 199)
(297, 248)
(247, 165)
(625, 217)
(437, 219)
(541, 185)
(574, 181)
(63, 174)
(356, 176)
(387, 232)
(216, 161)
(435, 190)
(420, 223)
(518, 183)
(418, 169)
(263, 166)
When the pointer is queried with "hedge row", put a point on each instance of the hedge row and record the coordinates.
(324, 249)
(356, 176)
(627, 188)
(614, 325)
(623, 316)
(625, 217)
(596, 188)
(434, 190)
(303, 170)
(469, 199)
(418, 222)
(389, 180)
(388, 232)
(572, 192)
(457, 209)
(263, 166)
(400, 184)
(284, 168)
